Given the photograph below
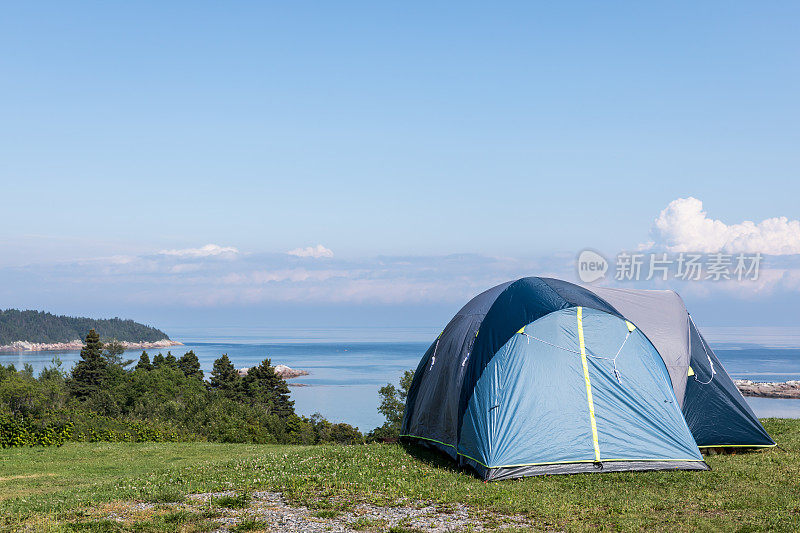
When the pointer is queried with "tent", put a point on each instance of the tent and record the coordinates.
(541, 376)
(715, 411)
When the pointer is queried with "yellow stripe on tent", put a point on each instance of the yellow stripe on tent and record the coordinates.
(588, 384)
(691, 372)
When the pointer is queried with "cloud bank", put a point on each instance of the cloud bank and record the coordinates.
(216, 275)
(196, 278)
(683, 226)
(316, 252)
(209, 250)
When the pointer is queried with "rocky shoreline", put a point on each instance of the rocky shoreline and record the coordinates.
(77, 344)
(786, 390)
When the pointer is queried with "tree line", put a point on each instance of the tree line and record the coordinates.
(107, 397)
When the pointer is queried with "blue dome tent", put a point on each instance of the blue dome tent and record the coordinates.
(541, 376)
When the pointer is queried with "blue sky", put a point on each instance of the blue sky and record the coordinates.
(388, 133)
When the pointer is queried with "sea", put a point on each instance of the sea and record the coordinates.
(347, 366)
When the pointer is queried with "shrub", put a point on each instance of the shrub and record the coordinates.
(25, 431)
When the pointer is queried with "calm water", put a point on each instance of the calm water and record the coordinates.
(348, 365)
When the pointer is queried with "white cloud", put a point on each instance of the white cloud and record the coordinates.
(316, 252)
(209, 250)
(684, 227)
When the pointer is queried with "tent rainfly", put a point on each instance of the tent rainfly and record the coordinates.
(541, 376)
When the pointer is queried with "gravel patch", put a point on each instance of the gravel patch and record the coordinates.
(272, 510)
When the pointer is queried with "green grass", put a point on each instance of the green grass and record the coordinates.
(366, 524)
(238, 501)
(251, 524)
(60, 488)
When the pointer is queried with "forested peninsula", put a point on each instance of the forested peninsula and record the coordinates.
(40, 330)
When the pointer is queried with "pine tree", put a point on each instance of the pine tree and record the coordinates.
(113, 352)
(190, 365)
(144, 362)
(170, 360)
(91, 371)
(158, 361)
(262, 386)
(224, 377)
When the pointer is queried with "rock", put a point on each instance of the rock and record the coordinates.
(288, 373)
(282, 370)
(788, 389)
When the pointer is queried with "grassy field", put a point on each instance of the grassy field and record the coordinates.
(63, 488)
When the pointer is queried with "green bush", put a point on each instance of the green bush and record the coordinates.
(56, 428)
(24, 431)
(392, 407)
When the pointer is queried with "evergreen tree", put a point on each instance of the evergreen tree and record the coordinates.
(224, 377)
(158, 360)
(190, 365)
(113, 351)
(144, 362)
(263, 387)
(91, 371)
(170, 360)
